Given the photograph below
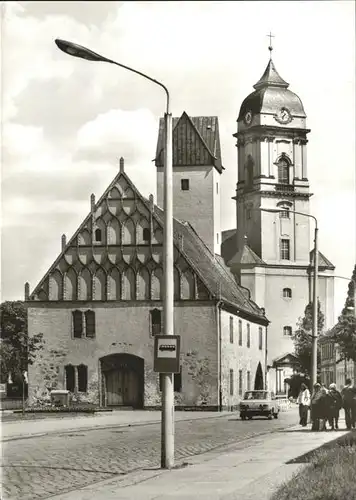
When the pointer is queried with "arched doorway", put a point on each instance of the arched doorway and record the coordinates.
(259, 378)
(122, 380)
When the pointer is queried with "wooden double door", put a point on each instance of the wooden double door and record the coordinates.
(122, 387)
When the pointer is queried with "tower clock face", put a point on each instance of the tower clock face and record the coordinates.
(283, 116)
(248, 118)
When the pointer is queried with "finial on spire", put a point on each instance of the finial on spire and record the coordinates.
(122, 162)
(270, 48)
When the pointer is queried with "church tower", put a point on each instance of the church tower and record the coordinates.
(197, 168)
(270, 251)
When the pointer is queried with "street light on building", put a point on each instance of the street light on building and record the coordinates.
(167, 448)
(314, 362)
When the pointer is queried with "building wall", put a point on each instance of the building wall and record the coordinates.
(237, 357)
(333, 370)
(124, 327)
(200, 205)
(281, 311)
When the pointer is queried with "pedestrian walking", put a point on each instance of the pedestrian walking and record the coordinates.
(334, 404)
(348, 394)
(318, 408)
(304, 403)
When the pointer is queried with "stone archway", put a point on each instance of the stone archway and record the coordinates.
(259, 385)
(122, 380)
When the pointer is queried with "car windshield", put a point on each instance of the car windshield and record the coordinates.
(255, 395)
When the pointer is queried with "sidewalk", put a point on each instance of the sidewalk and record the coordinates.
(31, 428)
(250, 471)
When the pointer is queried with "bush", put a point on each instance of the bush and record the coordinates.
(330, 476)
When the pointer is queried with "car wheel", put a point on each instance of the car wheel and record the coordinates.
(250, 418)
(270, 415)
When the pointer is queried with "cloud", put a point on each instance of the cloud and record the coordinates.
(67, 121)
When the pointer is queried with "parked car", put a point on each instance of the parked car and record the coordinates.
(259, 403)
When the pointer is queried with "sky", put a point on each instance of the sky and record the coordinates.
(66, 121)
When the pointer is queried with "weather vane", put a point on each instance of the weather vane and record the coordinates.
(270, 48)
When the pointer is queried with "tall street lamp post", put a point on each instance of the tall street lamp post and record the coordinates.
(314, 361)
(167, 426)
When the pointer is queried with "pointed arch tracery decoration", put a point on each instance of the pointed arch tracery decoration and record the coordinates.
(85, 285)
(129, 284)
(143, 284)
(56, 285)
(99, 285)
(157, 284)
(187, 285)
(129, 232)
(114, 232)
(99, 232)
(143, 231)
(70, 283)
(177, 284)
(84, 238)
(114, 285)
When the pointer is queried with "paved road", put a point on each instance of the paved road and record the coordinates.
(40, 467)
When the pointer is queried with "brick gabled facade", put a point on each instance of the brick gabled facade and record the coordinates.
(100, 305)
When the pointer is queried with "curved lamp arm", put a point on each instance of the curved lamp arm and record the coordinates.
(76, 50)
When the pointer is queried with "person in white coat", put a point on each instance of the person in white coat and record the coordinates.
(304, 403)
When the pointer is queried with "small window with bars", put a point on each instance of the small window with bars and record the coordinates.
(82, 378)
(77, 324)
(284, 213)
(285, 249)
(287, 293)
(156, 322)
(184, 184)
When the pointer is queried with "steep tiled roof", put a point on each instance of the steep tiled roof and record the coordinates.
(247, 257)
(196, 141)
(219, 281)
(323, 263)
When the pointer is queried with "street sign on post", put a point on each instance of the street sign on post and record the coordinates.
(167, 354)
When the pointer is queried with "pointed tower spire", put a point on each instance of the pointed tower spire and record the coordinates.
(270, 77)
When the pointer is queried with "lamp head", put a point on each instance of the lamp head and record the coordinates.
(79, 51)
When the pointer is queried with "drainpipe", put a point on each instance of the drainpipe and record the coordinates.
(266, 358)
(218, 317)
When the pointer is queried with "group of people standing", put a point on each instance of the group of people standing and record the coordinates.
(325, 405)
